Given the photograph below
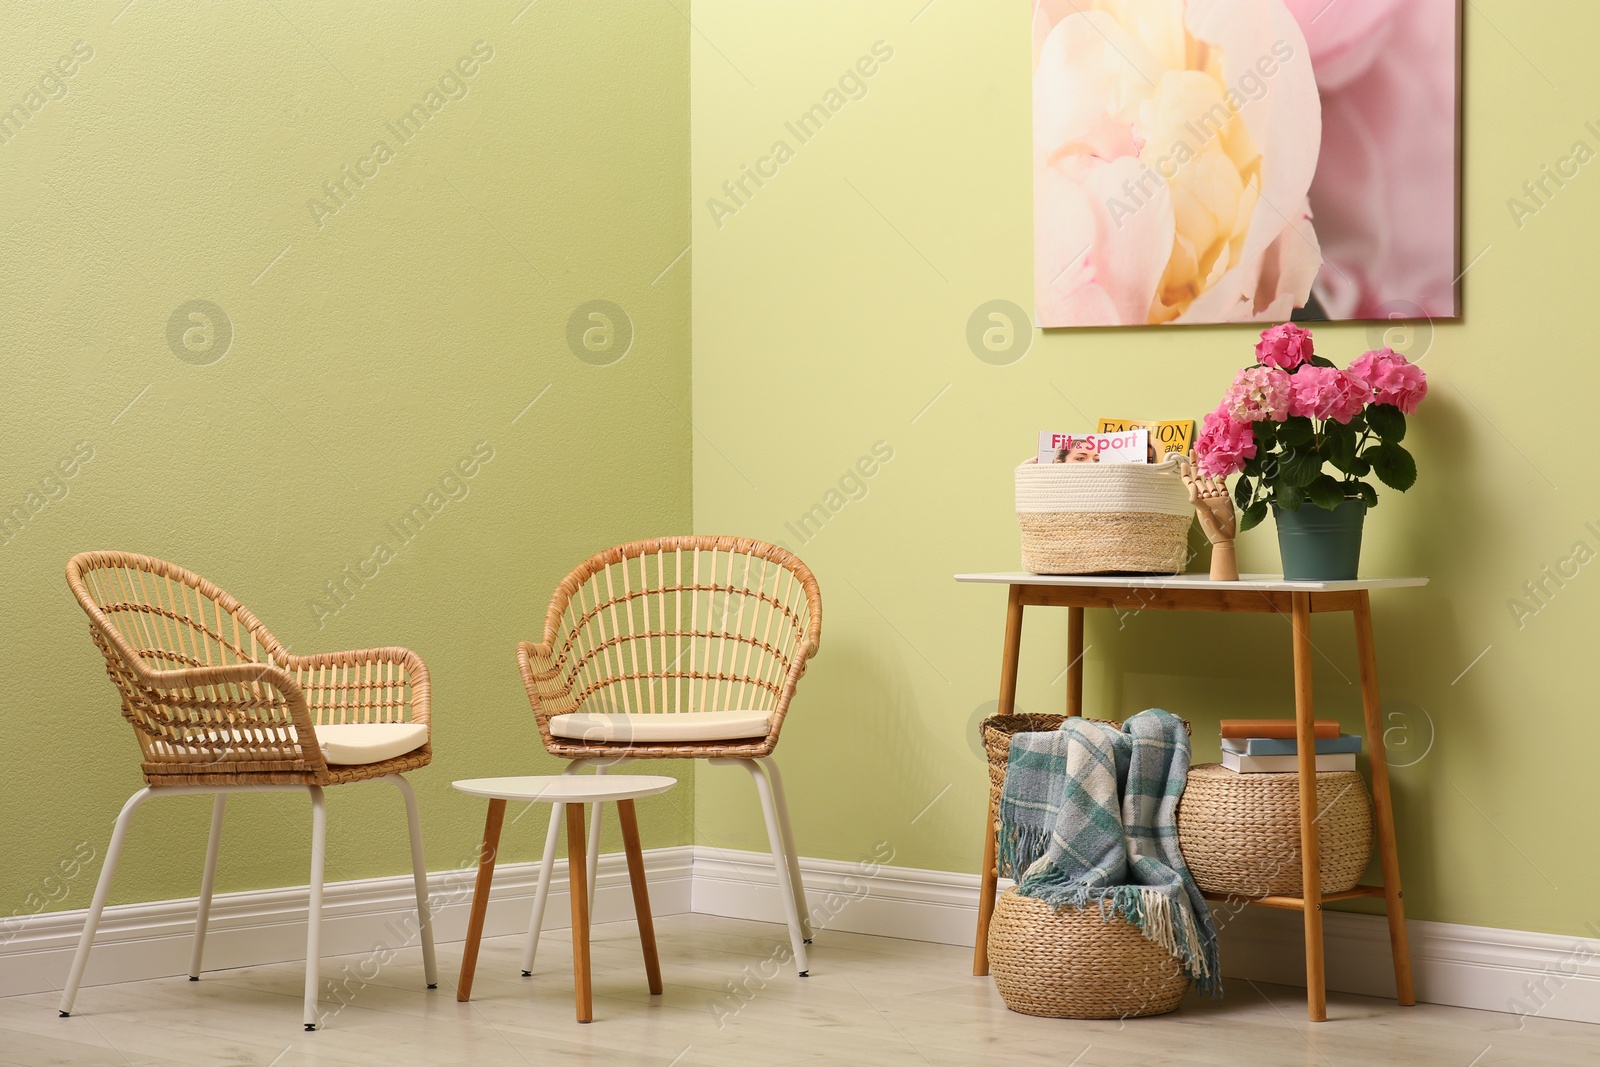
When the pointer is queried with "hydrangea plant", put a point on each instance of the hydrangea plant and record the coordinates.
(1297, 428)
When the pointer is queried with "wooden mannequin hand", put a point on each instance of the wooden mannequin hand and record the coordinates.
(1213, 505)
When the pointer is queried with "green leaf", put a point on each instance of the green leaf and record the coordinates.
(1368, 493)
(1296, 431)
(1387, 422)
(1360, 468)
(1326, 492)
(1393, 465)
(1289, 497)
(1253, 515)
(1318, 361)
(1300, 467)
(1243, 493)
(1264, 431)
(1341, 444)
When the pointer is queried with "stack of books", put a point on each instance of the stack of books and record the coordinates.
(1267, 746)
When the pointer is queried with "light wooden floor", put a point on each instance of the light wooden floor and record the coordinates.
(870, 1001)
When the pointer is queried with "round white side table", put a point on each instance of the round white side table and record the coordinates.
(566, 793)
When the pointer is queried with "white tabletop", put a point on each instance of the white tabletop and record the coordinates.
(1249, 583)
(564, 788)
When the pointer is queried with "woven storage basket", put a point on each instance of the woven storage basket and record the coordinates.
(1072, 964)
(1240, 833)
(1093, 518)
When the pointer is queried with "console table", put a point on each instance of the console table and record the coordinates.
(1297, 602)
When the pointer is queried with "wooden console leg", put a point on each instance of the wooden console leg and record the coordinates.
(1310, 845)
(480, 897)
(578, 890)
(641, 893)
(988, 879)
(1388, 851)
(988, 884)
(1074, 661)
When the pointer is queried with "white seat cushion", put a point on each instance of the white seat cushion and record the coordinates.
(351, 743)
(648, 726)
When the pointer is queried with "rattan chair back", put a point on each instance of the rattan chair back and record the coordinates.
(676, 624)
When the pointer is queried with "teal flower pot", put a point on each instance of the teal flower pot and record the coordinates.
(1319, 545)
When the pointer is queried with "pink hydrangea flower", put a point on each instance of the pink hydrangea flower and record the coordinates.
(1224, 443)
(1392, 378)
(1327, 393)
(1258, 394)
(1284, 347)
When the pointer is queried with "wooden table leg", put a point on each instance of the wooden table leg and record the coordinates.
(988, 877)
(1388, 852)
(1310, 845)
(578, 890)
(641, 893)
(480, 897)
(1074, 661)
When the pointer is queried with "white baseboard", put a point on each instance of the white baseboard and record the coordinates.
(859, 898)
(142, 941)
(1548, 975)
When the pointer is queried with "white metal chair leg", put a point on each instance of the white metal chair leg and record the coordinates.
(419, 870)
(208, 881)
(101, 890)
(780, 865)
(319, 841)
(803, 912)
(541, 893)
(595, 811)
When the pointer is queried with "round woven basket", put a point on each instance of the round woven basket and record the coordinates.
(1072, 964)
(1240, 833)
(1091, 518)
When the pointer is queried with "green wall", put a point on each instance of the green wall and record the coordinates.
(829, 314)
(830, 309)
(369, 353)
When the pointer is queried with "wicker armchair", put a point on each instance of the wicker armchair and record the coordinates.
(220, 706)
(679, 647)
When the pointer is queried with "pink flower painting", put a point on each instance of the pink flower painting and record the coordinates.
(1205, 161)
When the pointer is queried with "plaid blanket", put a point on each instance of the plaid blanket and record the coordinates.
(1089, 813)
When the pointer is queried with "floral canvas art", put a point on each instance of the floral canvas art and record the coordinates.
(1206, 161)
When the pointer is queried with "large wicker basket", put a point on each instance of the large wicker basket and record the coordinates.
(1240, 833)
(1074, 964)
(1070, 964)
(1093, 518)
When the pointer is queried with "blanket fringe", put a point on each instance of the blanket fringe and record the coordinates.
(1020, 848)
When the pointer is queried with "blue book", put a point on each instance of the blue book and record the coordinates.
(1272, 746)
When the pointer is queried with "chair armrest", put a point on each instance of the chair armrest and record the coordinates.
(222, 674)
(364, 685)
(219, 694)
(548, 692)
